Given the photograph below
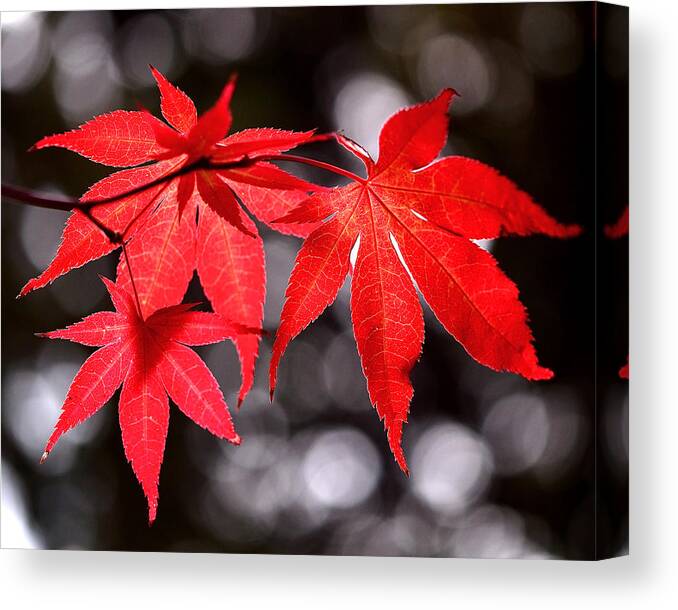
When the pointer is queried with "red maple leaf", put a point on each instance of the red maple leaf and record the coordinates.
(615, 231)
(619, 228)
(624, 371)
(180, 212)
(151, 360)
(413, 220)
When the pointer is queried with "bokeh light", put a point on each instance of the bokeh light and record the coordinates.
(552, 39)
(341, 468)
(377, 96)
(16, 532)
(517, 427)
(451, 467)
(152, 37)
(219, 37)
(25, 50)
(455, 61)
(85, 81)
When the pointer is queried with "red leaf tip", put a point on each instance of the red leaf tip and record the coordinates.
(449, 92)
(399, 454)
(570, 231)
(26, 289)
(446, 95)
(157, 75)
(394, 433)
(402, 463)
(541, 374)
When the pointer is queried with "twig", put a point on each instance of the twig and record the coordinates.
(131, 277)
(313, 162)
(65, 204)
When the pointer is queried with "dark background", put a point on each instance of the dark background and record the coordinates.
(501, 467)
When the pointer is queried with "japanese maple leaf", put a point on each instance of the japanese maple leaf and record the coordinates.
(615, 231)
(619, 228)
(151, 360)
(178, 212)
(413, 220)
(624, 371)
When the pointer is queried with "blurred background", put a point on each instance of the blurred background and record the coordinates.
(500, 467)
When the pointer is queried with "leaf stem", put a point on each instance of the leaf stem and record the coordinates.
(131, 277)
(313, 162)
(321, 137)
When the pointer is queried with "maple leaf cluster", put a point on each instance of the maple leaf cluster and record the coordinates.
(181, 206)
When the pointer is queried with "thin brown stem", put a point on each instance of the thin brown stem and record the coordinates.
(131, 277)
(151, 203)
(65, 204)
(68, 203)
(313, 162)
(321, 137)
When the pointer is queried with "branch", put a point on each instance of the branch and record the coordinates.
(65, 204)
(68, 203)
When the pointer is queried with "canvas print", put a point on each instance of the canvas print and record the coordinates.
(317, 280)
